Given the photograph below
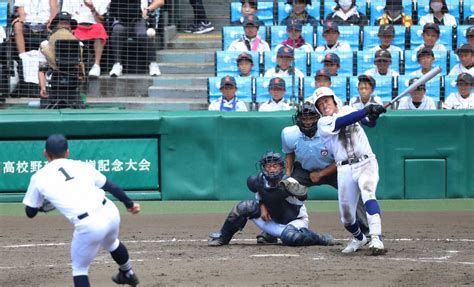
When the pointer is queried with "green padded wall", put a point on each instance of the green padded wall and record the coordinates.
(425, 178)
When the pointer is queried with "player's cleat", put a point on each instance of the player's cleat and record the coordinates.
(94, 71)
(116, 70)
(355, 245)
(219, 241)
(154, 69)
(122, 278)
(376, 246)
(265, 238)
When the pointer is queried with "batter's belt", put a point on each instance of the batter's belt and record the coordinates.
(353, 160)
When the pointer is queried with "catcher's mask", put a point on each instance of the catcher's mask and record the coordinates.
(306, 118)
(269, 158)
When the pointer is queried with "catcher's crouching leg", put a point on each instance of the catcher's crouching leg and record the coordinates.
(292, 236)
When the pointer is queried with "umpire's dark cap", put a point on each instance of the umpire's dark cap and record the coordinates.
(251, 20)
(432, 26)
(465, 48)
(56, 144)
(245, 56)
(424, 51)
(465, 77)
(386, 30)
(228, 81)
(367, 79)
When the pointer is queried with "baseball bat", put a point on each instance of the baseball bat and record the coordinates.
(423, 79)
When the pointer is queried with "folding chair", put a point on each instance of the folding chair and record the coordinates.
(365, 61)
(411, 61)
(347, 62)
(262, 94)
(445, 37)
(285, 9)
(278, 34)
(349, 34)
(269, 60)
(244, 89)
(264, 12)
(383, 87)
(377, 9)
(371, 38)
(226, 63)
(231, 33)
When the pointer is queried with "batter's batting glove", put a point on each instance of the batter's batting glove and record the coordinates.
(375, 110)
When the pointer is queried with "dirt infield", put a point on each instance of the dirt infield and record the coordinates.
(424, 249)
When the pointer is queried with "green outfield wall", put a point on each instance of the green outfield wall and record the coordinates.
(204, 155)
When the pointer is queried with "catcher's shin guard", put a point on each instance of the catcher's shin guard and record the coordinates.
(291, 236)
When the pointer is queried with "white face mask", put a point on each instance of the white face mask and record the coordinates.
(345, 4)
(436, 6)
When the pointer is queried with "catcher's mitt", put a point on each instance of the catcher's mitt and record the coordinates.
(47, 206)
(294, 187)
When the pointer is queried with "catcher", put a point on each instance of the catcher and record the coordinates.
(278, 209)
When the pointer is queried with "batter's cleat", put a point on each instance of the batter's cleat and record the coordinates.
(355, 245)
(219, 241)
(265, 238)
(376, 246)
(122, 278)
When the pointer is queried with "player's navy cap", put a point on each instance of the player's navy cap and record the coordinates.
(432, 26)
(277, 82)
(386, 30)
(323, 73)
(331, 58)
(464, 48)
(367, 79)
(56, 144)
(470, 31)
(411, 81)
(286, 51)
(294, 24)
(383, 55)
(245, 56)
(251, 20)
(228, 81)
(424, 51)
(465, 77)
(330, 25)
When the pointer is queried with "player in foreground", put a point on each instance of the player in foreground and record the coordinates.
(278, 209)
(357, 167)
(76, 189)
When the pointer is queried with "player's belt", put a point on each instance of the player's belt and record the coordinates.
(85, 214)
(354, 160)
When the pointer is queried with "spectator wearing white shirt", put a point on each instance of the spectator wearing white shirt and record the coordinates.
(285, 58)
(331, 35)
(382, 60)
(366, 88)
(228, 102)
(386, 35)
(464, 97)
(466, 65)
(439, 14)
(417, 100)
(277, 89)
(425, 58)
(294, 29)
(250, 41)
(430, 35)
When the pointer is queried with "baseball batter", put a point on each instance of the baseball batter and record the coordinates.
(357, 167)
(76, 189)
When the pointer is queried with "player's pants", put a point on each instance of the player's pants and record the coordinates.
(356, 180)
(275, 229)
(99, 229)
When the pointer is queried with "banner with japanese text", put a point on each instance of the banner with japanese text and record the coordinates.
(131, 163)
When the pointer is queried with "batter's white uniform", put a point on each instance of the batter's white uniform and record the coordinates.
(74, 188)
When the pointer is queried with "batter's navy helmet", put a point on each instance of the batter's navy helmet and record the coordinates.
(272, 157)
(309, 113)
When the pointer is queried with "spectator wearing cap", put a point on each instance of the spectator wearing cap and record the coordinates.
(332, 63)
(295, 40)
(366, 87)
(228, 102)
(470, 35)
(245, 64)
(469, 20)
(466, 57)
(393, 14)
(382, 60)
(250, 41)
(425, 58)
(464, 97)
(345, 13)
(249, 7)
(417, 100)
(284, 68)
(439, 14)
(323, 79)
(277, 89)
(386, 35)
(299, 12)
(331, 35)
(430, 35)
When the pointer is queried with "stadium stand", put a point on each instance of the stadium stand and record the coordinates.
(441, 60)
(264, 12)
(347, 62)
(377, 9)
(329, 7)
(262, 94)
(338, 85)
(383, 89)
(365, 61)
(301, 60)
(349, 34)
(371, 39)
(278, 34)
(231, 33)
(244, 89)
(284, 10)
(226, 63)
(445, 38)
(433, 87)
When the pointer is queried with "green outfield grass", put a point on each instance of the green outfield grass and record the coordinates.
(188, 207)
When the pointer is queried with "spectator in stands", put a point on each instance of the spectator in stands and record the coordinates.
(299, 12)
(386, 35)
(470, 36)
(245, 64)
(129, 18)
(323, 79)
(430, 35)
(439, 14)
(425, 58)
(250, 41)
(249, 7)
(277, 89)
(382, 60)
(285, 64)
(466, 57)
(469, 20)
(393, 14)
(345, 13)
(89, 15)
(331, 35)
(417, 100)
(464, 97)
(295, 40)
(366, 88)
(332, 63)
(201, 23)
(228, 102)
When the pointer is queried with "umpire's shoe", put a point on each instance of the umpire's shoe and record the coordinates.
(123, 278)
(265, 238)
(355, 245)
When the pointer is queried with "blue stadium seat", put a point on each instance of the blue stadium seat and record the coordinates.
(338, 85)
(285, 9)
(365, 61)
(278, 34)
(376, 9)
(231, 33)
(411, 62)
(468, 8)
(301, 60)
(371, 38)
(350, 34)
(445, 38)
(383, 87)
(244, 88)
(261, 89)
(461, 34)
(3, 14)
(453, 60)
(329, 7)
(347, 62)
(424, 8)
(264, 12)
(226, 63)
(449, 85)
(433, 86)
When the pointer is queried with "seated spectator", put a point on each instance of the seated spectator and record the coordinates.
(382, 60)
(295, 40)
(250, 41)
(425, 58)
(129, 18)
(430, 38)
(439, 14)
(332, 63)
(464, 97)
(284, 68)
(277, 89)
(386, 35)
(345, 13)
(470, 36)
(245, 64)
(299, 12)
(417, 100)
(228, 102)
(366, 88)
(393, 14)
(469, 20)
(331, 35)
(249, 7)
(89, 15)
(466, 57)
(323, 79)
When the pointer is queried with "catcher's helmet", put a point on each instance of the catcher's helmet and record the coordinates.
(272, 157)
(310, 115)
